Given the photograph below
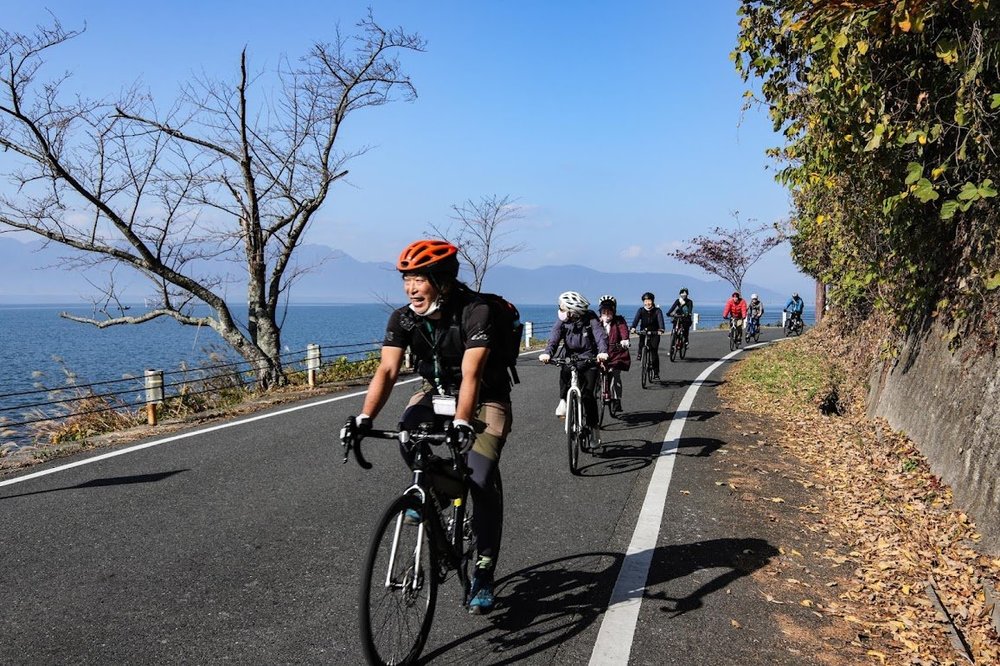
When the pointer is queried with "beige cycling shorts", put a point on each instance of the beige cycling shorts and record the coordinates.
(492, 422)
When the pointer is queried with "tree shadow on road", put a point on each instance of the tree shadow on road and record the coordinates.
(109, 481)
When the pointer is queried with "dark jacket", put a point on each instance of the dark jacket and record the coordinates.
(584, 337)
(649, 321)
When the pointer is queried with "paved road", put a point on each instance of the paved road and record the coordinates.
(243, 543)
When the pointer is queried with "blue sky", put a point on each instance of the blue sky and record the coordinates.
(617, 126)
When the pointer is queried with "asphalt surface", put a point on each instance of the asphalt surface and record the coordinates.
(245, 544)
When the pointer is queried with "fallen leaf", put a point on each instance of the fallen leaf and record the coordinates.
(736, 625)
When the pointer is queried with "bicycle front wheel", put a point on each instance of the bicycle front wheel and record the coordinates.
(645, 369)
(398, 586)
(732, 339)
(673, 346)
(573, 432)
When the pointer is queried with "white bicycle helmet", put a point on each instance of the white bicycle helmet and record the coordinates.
(753, 297)
(573, 302)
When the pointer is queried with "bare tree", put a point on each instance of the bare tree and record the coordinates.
(481, 241)
(729, 253)
(229, 176)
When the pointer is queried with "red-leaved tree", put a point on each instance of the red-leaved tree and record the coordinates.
(729, 253)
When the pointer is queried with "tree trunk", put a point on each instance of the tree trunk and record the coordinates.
(820, 300)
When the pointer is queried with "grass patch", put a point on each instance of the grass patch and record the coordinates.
(789, 375)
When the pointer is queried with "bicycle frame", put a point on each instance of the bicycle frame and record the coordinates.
(574, 388)
(448, 538)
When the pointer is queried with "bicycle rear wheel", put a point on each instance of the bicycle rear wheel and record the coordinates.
(573, 432)
(398, 586)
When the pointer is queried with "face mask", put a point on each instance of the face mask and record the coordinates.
(605, 318)
(563, 315)
(647, 307)
(435, 306)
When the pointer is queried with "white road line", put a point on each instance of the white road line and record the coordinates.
(186, 435)
(614, 640)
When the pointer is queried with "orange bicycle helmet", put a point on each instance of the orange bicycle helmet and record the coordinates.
(430, 256)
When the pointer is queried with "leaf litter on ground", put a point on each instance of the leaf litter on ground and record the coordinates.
(893, 516)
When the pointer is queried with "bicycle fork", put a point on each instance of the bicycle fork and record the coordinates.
(416, 582)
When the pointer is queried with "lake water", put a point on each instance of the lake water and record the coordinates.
(39, 347)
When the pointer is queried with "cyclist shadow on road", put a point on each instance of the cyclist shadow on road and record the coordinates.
(707, 446)
(671, 564)
(543, 606)
(637, 419)
(619, 457)
(539, 608)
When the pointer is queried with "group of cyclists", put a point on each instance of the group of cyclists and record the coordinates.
(449, 330)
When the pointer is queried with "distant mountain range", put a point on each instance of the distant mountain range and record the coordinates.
(32, 273)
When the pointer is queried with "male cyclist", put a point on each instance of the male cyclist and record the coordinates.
(683, 310)
(582, 335)
(794, 306)
(618, 344)
(448, 328)
(736, 310)
(755, 312)
(648, 320)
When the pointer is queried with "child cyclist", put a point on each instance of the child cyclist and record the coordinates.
(581, 334)
(618, 343)
(649, 321)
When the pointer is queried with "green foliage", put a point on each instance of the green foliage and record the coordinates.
(890, 115)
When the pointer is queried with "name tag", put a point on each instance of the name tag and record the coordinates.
(444, 405)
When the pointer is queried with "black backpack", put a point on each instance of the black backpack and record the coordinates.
(508, 332)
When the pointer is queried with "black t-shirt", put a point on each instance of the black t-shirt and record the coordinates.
(465, 323)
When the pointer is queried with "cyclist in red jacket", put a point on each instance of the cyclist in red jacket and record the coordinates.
(736, 309)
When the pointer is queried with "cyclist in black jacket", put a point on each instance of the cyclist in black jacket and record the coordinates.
(649, 321)
(449, 329)
(683, 309)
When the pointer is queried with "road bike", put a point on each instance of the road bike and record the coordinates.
(577, 436)
(793, 324)
(678, 339)
(735, 334)
(753, 329)
(646, 352)
(423, 537)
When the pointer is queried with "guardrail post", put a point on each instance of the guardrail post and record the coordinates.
(313, 360)
(529, 329)
(784, 316)
(154, 394)
(694, 321)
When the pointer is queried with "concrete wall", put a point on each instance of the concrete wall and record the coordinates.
(949, 406)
